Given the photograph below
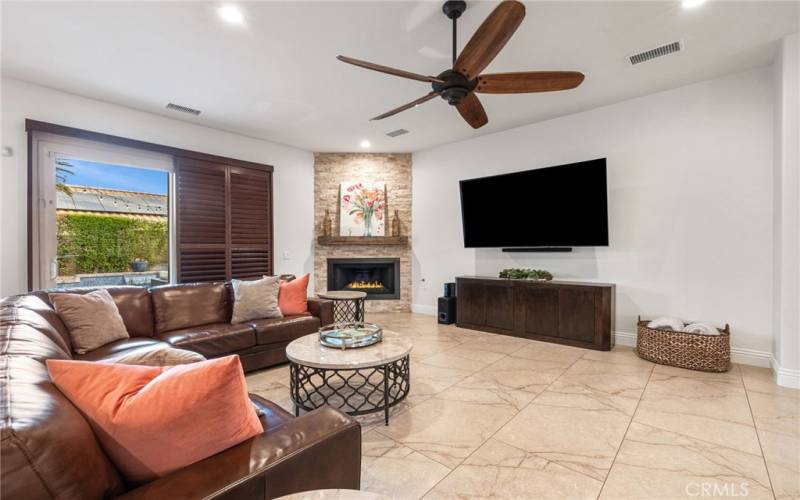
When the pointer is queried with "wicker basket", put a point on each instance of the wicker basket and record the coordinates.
(708, 353)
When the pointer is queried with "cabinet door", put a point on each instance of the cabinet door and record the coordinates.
(471, 303)
(500, 306)
(576, 314)
(541, 311)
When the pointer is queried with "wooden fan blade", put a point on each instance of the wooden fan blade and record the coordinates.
(410, 105)
(490, 38)
(531, 81)
(389, 71)
(472, 111)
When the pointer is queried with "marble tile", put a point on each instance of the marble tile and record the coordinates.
(498, 343)
(619, 354)
(613, 386)
(265, 379)
(548, 352)
(657, 463)
(711, 407)
(396, 471)
(580, 432)
(517, 380)
(449, 426)
(476, 352)
(429, 379)
(550, 481)
(459, 361)
(427, 347)
(777, 419)
(502, 470)
(757, 379)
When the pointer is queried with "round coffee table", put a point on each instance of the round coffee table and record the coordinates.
(348, 307)
(356, 381)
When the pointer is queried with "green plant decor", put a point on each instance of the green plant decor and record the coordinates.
(521, 274)
(90, 243)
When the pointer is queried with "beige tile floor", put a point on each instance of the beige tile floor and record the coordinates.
(502, 417)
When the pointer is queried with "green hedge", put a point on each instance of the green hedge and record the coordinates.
(108, 243)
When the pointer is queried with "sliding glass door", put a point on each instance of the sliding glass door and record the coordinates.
(104, 216)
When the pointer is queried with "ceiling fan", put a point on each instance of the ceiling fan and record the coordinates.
(459, 85)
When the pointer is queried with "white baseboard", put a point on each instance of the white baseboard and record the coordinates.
(784, 376)
(625, 338)
(738, 354)
(424, 309)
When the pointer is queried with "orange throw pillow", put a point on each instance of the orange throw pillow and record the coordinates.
(154, 420)
(293, 296)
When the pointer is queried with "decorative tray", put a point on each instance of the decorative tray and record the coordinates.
(350, 335)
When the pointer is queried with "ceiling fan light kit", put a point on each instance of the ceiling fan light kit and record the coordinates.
(459, 85)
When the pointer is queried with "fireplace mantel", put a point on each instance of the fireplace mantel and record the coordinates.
(363, 240)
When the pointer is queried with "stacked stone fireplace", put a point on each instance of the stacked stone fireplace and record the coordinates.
(383, 271)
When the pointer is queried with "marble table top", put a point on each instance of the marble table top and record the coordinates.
(342, 295)
(308, 351)
(333, 495)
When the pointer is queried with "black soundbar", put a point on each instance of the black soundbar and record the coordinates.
(538, 249)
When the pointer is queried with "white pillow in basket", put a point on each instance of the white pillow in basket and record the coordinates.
(701, 328)
(256, 299)
(666, 323)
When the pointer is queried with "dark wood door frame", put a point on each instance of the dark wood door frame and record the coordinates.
(32, 126)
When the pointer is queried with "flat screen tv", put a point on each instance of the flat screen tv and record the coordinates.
(561, 206)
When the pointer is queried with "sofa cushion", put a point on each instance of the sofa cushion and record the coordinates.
(154, 420)
(212, 340)
(133, 303)
(183, 306)
(114, 350)
(269, 331)
(142, 351)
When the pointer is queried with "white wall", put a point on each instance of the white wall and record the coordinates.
(690, 205)
(787, 213)
(293, 177)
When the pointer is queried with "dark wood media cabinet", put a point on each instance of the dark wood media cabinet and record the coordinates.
(572, 313)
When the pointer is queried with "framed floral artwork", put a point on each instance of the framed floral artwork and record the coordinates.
(362, 209)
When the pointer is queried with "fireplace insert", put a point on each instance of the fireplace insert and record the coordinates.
(378, 277)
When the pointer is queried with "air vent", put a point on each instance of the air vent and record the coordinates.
(183, 109)
(395, 133)
(648, 55)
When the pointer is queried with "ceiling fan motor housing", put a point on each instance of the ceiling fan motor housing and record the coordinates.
(455, 87)
(454, 8)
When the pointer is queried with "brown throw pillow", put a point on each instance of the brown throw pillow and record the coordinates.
(92, 319)
(255, 299)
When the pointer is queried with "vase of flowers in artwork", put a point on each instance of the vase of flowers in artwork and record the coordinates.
(362, 209)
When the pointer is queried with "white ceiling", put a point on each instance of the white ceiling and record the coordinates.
(276, 77)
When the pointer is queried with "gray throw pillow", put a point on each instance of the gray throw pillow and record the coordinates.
(157, 356)
(256, 299)
(92, 319)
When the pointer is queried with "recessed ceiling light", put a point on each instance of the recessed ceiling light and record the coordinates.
(365, 144)
(688, 4)
(231, 14)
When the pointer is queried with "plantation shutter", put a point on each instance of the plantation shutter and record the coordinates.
(224, 221)
(251, 249)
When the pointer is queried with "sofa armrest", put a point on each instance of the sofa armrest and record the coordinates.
(321, 308)
(319, 450)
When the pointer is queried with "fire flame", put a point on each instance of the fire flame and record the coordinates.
(365, 284)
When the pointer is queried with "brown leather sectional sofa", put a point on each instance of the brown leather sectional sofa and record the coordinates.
(50, 451)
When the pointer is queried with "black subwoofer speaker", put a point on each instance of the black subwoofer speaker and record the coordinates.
(447, 310)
